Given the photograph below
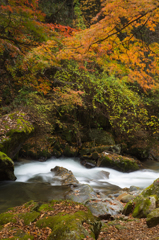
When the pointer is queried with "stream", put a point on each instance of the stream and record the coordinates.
(36, 182)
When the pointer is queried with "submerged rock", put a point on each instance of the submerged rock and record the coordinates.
(6, 168)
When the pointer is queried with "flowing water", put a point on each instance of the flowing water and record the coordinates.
(36, 181)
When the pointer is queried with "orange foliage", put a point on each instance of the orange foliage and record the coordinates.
(116, 41)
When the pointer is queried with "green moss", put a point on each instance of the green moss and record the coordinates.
(25, 237)
(31, 205)
(142, 207)
(29, 217)
(121, 164)
(6, 218)
(46, 207)
(67, 226)
(128, 208)
(5, 158)
(148, 191)
(153, 218)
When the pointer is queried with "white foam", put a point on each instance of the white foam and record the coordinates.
(142, 178)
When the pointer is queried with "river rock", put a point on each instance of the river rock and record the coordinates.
(66, 176)
(6, 168)
(81, 193)
(104, 208)
(153, 218)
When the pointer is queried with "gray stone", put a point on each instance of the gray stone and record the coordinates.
(104, 208)
(81, 193)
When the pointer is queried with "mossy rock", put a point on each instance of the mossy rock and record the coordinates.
(128, 208)
(64, 218)
(118, 162)
(46, 207)
(20, 235)
(49, 206)
(16, 129)
(153, 218)
(29, 217)
(6, 218)
(143, 206)
(153, 189)
(6, 168)
(67, 226)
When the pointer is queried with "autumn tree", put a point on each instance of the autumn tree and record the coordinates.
(21, 28)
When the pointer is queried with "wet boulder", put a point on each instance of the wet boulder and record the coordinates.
(118, 162)
(65, 176)
(6, 168)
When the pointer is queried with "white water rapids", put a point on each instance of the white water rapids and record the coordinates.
(36, 182)
(94, 177)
